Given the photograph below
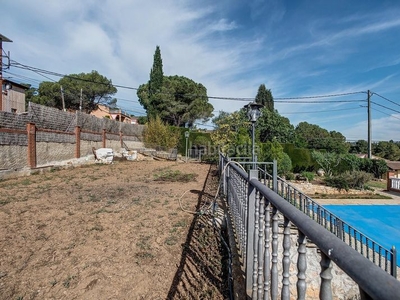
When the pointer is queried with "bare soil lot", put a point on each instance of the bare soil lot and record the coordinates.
(111, 232)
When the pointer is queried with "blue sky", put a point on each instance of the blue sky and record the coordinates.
(296, 48)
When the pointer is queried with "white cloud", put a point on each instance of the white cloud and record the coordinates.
(384, 129)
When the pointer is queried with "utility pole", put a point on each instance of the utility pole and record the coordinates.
(80, 102)
(369, 125)
(62, 98)
(2, 39)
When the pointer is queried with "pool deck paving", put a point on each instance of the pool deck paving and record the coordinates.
(395, 200)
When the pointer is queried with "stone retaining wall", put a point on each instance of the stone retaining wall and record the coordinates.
(309, 188)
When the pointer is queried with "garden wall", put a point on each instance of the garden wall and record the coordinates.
(44, 135)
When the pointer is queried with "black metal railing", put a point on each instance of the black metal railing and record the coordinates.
(257, 213)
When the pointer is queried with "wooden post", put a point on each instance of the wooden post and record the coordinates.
(31, 131)
(121, 139)
(77, 142)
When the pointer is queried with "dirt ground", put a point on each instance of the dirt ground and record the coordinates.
(111, 232)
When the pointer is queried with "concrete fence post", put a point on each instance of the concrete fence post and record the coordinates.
(31, 132)
(275, 176)
(104, 138)
(77, 142)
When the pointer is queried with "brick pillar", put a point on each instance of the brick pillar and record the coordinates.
(77, 142)
(31, 131)
(104, 137)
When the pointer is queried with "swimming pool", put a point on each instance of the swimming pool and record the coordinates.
(379, 222)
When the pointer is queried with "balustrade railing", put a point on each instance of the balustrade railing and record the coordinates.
(257, 212)
(394, 183)
(378, 254)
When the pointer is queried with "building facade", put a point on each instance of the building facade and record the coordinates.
(13, 97)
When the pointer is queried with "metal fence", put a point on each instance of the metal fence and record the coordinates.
(257, 212)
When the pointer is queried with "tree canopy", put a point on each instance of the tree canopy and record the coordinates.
(312, 136)
(177, 100)
(231, 134)
(272, 126)
(95, 89)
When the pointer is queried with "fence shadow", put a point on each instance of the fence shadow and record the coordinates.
(201, 273)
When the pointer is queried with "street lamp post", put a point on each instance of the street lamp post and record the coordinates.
(187, 138)
(253, 113)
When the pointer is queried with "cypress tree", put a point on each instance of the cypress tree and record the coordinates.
(265, 98)
(156, 73)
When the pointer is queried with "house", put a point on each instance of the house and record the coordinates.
(116, 114)
(13, 97)
(394, 169)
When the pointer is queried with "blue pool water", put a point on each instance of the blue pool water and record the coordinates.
(379, 222)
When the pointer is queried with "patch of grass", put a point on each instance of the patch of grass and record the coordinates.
(93, 198)
(53, 282)
(67, 281)
(349, 196)
(101, 210)
(111, 202)
(144, 255)
(93, 178)
(377, 184)
(143, 242)
(180, 223)
(97, 227)
(26, 181)
(136, 200)
(4, 202)
(174, 176)
(171, 240)
(43, 237)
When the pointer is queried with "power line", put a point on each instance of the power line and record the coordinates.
(385, 98)
(386, 114)
(22, 77)
(320, 96)
(38, 70)
(42, 71)
(385, 107)
(323, 101)
(320, 111)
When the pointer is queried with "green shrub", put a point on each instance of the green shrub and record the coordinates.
(300, 157)
(308, 175)
(210, 158)
(349, 180)
(338, 182)
(158, 135)
(290, 176)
